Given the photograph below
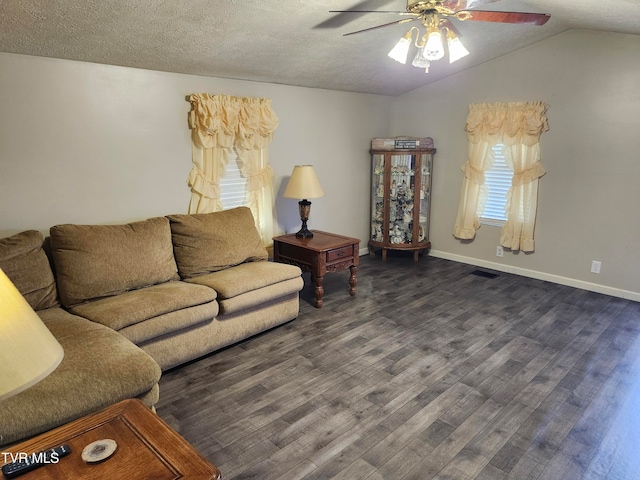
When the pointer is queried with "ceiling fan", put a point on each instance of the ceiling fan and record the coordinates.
(434, 16)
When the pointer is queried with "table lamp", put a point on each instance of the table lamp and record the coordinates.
(304, 184)
(28, 350)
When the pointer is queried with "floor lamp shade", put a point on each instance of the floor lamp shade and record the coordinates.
(28, 350)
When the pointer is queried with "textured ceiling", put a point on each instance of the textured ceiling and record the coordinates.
(289, 42)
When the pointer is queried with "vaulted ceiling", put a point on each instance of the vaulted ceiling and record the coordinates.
(288, 42)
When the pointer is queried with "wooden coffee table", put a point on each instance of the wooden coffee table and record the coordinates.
(324, 252)
(147, 448)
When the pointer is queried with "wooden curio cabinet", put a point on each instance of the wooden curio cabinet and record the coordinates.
(400, 194)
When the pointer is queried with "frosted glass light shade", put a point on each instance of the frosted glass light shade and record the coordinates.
(400, 51)
(434, 50)
(28, 350)
(420, 60)
(456, 49)
(303, 183)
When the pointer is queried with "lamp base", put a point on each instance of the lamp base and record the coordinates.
(304, 207)
(304, 232)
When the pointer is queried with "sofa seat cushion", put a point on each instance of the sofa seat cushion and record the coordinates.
(24, 261)
(155, 310)
(261, 296)
(250, 284)
(246, 277)
(100, 367)
(208, 242)
(95, 261)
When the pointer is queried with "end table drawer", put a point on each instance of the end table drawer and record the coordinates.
(298, 254)
(340, 253)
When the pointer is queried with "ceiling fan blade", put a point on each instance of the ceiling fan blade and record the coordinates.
(404, 20)
(360, 8)
(395, 12)
(505, 17)
(457, 5)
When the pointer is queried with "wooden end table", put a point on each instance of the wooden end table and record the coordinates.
(324, 252)
(147, 448)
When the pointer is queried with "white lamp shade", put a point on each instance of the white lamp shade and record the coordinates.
(400, 51)
(434, 50)
(303, 183)
(456, 49)
(28, 350)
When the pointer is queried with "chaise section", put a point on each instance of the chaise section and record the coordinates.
(100, 367)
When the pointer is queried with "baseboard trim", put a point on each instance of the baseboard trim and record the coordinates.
(570, 282)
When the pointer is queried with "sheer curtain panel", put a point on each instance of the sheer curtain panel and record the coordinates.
(518, 126)
(222, 125)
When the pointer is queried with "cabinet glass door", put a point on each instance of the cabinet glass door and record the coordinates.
(425, 196)
(377, 200)
(401, 199)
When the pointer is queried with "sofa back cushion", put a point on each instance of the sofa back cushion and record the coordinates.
(27, 266)
(95, 261)
(209, 242)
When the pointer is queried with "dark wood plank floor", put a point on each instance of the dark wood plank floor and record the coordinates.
(429, 372)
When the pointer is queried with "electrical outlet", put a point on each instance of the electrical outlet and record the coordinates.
(595, 266)
(499, 251)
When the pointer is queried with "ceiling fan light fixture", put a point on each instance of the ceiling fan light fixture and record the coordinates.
(434, 16)
(456, 48)
(401, 50)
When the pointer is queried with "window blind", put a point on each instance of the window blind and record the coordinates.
(498, 179)
(233, 187)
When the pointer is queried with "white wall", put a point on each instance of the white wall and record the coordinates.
(89, 143)
(589, 199)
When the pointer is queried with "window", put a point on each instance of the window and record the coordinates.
(233, 186)
(520, 125)
(498, 179)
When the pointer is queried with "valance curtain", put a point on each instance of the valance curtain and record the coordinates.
(222, 125)
(518, 126)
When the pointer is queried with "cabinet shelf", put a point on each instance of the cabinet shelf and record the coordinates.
(401, 195)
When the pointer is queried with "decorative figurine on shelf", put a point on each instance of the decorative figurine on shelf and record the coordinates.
(396, 235)
(407, 216)
(377, 232)
(379, 212)
(421, 234)
(380, 190)
(402, 189)
(394, 189)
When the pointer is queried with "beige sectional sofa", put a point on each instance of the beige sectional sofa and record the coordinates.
(127, 301)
